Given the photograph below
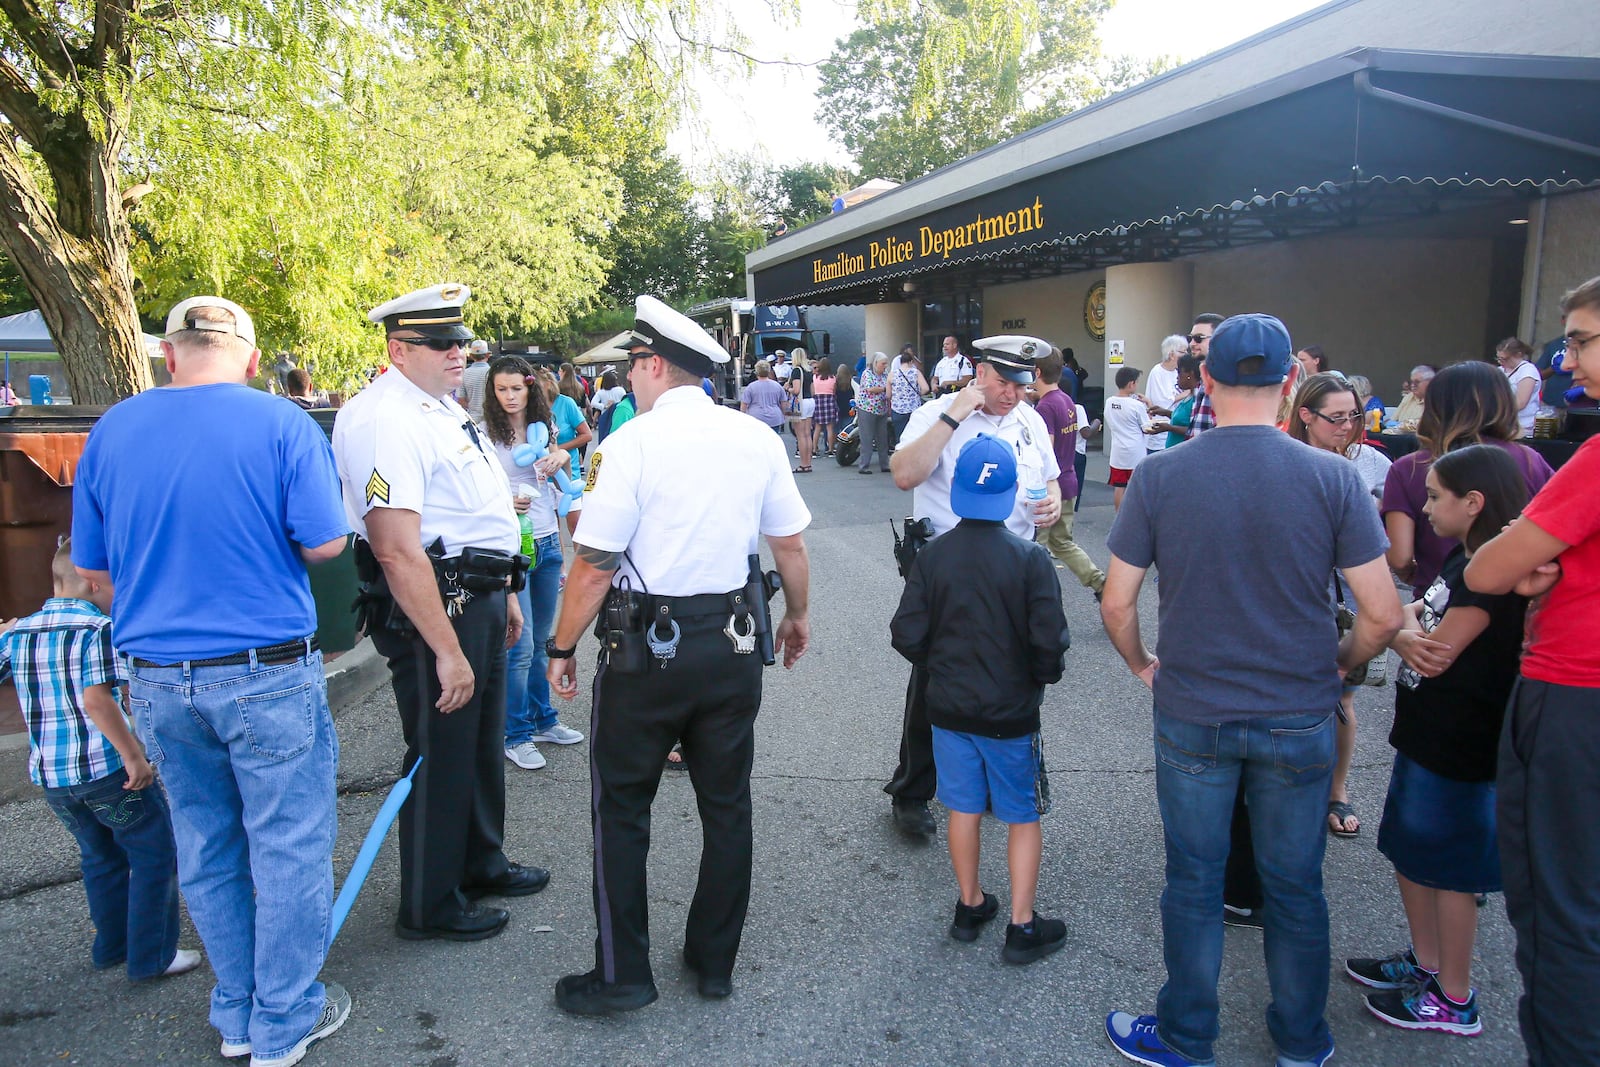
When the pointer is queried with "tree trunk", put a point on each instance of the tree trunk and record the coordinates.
(73, 257)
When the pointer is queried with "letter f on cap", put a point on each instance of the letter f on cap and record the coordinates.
(988, 469)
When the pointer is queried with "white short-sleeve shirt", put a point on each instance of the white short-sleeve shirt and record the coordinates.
(687, 489)
(1161, 389)
(951, 369)
(398, 447)
(1021, 427)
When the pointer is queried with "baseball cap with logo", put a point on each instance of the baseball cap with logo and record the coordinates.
(1247, 337)
(182, 317)
(985, 481)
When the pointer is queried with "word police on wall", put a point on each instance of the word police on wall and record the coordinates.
(931, 243)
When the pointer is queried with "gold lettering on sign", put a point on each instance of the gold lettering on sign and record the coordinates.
(981, 230)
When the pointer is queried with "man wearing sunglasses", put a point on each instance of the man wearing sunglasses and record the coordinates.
(1201, 416)
(437, 543)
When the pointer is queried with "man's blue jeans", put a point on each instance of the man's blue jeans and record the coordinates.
(130, 871)
(248, 755)
(1286, 763)
(528, 709)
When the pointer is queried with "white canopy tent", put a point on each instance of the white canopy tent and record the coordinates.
(604, 352)
(26, 334)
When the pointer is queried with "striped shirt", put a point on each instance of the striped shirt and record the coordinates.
(55, 655)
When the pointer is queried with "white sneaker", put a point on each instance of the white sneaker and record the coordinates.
(559, 734)
(232, 1050)
(334, 1013)
(526, 755)
(183, 961)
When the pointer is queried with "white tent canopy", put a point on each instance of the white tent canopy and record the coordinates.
(27, 333)
(604, 352)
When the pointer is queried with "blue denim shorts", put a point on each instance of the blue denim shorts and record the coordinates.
(984, 773)
(1439, 832)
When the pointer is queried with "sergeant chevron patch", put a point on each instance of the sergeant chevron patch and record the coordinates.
(377, 488)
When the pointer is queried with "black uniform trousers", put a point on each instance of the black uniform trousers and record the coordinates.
(707, 696)
(452, 828)
(916, 779)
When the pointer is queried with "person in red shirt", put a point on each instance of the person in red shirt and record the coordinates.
(1548, 803)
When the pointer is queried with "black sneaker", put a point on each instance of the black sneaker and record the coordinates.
(969, 920)
(912, 816)
(1035, 941)
(588, 994)
(1399, 971)
(1243, 918)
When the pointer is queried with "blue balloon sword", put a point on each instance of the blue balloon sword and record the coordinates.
(369, 851)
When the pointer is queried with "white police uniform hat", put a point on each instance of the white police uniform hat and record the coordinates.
(674, 337)
(180, 318)
(432, 312)
(1011, 355)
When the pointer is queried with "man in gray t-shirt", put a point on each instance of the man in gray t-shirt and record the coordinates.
(1246, 525)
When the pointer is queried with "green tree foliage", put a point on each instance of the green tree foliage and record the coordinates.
(927, 82)
(806, 191)
(312, 158)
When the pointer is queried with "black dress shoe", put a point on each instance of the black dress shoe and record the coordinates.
(518, 881)
(472, 923)
(913, 818)
(712, 987)
(586, 994)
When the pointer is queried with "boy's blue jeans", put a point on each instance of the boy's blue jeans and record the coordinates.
(528, 708)
(130, 870)
(1287, 764)
(248, 755)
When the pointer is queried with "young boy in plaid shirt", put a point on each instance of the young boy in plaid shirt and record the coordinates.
(95, 775)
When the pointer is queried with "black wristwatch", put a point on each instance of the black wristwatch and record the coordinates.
(553, 651)
(944, 417)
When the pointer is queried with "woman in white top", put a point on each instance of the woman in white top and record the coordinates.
(1326, 414)
(1512, 355)
(609, 393)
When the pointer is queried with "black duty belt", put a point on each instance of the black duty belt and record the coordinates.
(692, 607)
(281, 653)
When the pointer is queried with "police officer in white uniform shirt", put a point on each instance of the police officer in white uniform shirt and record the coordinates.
(953, 371)
(436, 550)
(925, 460)
(678, 499)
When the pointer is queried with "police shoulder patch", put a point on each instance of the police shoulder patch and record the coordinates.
(594, 471)
(377, 488)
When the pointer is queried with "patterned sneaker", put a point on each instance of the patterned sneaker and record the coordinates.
(1136, 1038)
(1399, 971)
(559, 734)
(1425, 1007)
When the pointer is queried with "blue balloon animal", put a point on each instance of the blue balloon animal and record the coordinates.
(537, 448)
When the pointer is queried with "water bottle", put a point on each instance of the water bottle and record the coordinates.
(1034, 489)
(529, 542)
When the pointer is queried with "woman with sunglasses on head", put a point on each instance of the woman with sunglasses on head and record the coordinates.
(1465, 404)
(513, 403)
(1326, 414)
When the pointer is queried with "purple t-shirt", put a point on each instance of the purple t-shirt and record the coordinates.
(764, 399)
(1405, 490)
(1060, 416)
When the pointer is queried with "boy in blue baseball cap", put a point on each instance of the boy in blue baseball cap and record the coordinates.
(981, 613)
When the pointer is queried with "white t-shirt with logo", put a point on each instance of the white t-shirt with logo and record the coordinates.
(1126, 419)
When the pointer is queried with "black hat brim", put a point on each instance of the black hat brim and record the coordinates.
(449, 331)
(1020, 375)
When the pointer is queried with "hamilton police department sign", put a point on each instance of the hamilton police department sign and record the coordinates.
(929, 244)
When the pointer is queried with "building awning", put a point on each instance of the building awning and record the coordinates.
(1365, 137)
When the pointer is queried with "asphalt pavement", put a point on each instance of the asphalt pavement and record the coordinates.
(845, 957)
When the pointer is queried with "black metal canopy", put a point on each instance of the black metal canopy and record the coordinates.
(1361, 139)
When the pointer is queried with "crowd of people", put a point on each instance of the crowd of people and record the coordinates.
(1246, 473)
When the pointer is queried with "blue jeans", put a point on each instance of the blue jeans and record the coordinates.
(130, 870)
(528, 709)
(248, 755)
(1286, 764)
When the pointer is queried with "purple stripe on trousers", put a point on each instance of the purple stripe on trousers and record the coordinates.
(608, 959)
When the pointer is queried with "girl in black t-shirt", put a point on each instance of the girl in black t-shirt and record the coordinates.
(1460, 652)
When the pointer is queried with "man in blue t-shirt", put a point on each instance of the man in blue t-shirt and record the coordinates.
(1246, 525)
(200, 504)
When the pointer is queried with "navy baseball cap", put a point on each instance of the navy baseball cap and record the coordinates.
(1245, 337)
(985, 482)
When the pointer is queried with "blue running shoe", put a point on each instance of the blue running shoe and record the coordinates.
(1425, 1007)
(1315, 1061)
(1136, 1038)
